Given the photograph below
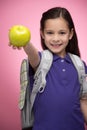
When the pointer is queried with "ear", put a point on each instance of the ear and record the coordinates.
(71, 34)
(42, 34)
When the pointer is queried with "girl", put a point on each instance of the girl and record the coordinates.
(59, 106)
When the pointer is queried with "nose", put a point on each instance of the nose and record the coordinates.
(56, 38)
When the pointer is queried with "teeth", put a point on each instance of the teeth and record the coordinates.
(56, 44)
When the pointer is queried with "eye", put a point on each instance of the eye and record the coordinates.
(49, 32)
(62, 32)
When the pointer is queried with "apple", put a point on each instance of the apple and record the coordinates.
(19, 35)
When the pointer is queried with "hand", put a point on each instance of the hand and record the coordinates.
(14, 47)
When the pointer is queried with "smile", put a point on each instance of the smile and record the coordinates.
(56, 45)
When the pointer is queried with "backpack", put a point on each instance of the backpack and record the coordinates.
(27, 98)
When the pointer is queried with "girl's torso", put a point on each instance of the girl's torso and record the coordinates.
(58, 107)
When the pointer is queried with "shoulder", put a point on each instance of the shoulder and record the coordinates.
(78, 60)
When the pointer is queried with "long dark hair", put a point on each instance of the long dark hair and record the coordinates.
(56, 12)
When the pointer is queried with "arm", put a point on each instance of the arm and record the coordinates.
(84, 108)
(83, 99)
(32, 52)
(33, 55)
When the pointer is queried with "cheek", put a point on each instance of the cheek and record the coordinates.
(66, 39)
(47, 39)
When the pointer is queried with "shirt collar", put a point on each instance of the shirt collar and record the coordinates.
(66, 58)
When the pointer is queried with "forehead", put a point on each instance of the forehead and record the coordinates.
(56, 23)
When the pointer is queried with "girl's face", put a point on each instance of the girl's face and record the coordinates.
(56, 35)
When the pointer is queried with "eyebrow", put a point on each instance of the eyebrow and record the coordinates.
(53, 30)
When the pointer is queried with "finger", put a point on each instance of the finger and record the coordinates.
(14, 47)
(19, 48)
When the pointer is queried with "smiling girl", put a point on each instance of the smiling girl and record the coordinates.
(59, 107)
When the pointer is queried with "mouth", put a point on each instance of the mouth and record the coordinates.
(56, 45)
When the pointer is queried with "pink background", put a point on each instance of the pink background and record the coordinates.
(28, 13)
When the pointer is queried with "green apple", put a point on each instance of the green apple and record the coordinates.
(19, 35)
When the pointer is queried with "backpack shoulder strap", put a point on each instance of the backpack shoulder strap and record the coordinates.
(79, 65)
(40, 75)
(43, 68)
